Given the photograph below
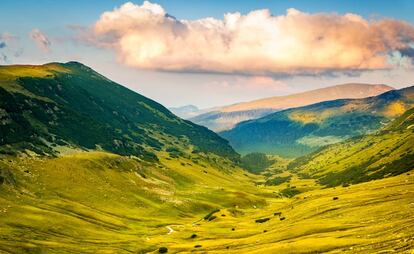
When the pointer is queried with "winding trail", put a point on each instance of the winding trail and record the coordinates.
(170, 230)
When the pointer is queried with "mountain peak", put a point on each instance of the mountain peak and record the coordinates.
(71, 104)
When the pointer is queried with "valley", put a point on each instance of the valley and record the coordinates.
(82, 171)
(206, 127)
(93, 202)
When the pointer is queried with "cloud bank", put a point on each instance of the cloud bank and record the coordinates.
(145, 36)
(41, 40)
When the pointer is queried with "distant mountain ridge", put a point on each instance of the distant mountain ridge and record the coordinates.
(343, 91)
(298, 131)
(224, 118)
(52, 105)
(185, 112)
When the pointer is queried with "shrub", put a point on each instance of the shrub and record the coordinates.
(212, 218)
(278, 180)
(255, 162)
(207, 217)
(163, 250)
(289, 192)
(262, 220)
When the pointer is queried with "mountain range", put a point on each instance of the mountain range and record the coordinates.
(298, 131)
(226, 117)
(89, 166)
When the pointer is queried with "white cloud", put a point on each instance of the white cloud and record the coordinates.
(145, 36)
(41, 40)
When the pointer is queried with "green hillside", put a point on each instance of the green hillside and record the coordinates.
(45, 107)
(299, 131)
(88, 166)
(388, 152)
(94, 202)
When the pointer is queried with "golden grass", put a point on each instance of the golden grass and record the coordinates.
(95, 202)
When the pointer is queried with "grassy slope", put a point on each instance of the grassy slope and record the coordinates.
(388, 152)
(94, 202)
(70, 104)
(89, 202)
(103, 203)
(380, 219)
(298, 131)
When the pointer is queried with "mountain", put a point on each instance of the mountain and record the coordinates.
(298, 131)
(360, 159)
(185, 112)
(43, 108)
(225, 118)
(220, 121)
(88, 166)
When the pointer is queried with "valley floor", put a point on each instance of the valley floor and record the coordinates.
(103, 203)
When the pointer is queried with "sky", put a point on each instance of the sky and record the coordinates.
(212, 53)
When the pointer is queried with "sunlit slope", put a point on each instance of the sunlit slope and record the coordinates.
(43, 107)
(95, 202)
(374, 217)
(104, 203)
(388, 152)
(299, 131)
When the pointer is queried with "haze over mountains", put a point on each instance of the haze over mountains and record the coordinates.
(186, 111)
(226, 117)
(298, 131)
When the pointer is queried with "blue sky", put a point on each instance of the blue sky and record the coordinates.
(174, 88)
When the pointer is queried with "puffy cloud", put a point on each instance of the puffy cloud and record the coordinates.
(41, 40)
(145, 36)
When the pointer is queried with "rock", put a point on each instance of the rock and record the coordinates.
(193, 236)
(277, 214)
(282, 218)
(335, 198)
(198, 246)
